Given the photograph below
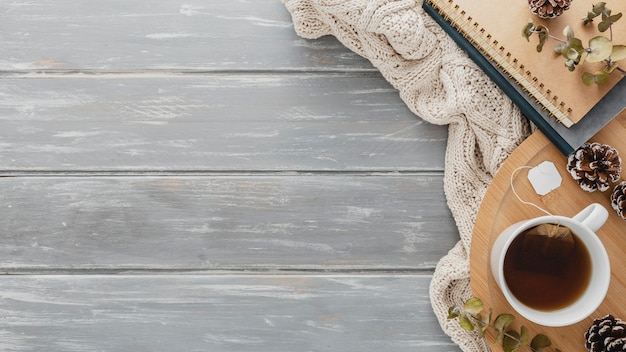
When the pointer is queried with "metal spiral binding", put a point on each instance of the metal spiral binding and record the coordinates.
(502, 59)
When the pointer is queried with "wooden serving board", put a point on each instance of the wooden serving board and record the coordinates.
(500, 208)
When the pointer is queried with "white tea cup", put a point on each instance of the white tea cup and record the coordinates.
(583, 226)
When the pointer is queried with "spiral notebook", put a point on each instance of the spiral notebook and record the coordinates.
(563, 124)
(494, 28)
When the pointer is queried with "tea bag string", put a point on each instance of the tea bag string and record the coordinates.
(520, 198)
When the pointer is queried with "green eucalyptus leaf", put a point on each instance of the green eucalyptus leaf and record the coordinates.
(540, 341)
(559, 48)
(483, 331)
(583, 57)
(542, 33)
(511, 341)
(503, 321)
(615, 18)
(602, 77)
(589, 18)
(588, 79)
(618, 52)
(606, 12)
(575, 44)
(487, 319)
(599, 8)
(483, 323)
(499, 338)
(604, 26)
(600, 48)
(607, 22)
(542, 42)
(568, 32)
(524, 337)
(528, 29)
(572, 54)
(599, 77)
(466, 322)
(473, 305)
(610, 67)
(542, 29)
(453, 312)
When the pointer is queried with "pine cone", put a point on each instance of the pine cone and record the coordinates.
(548, 8)
(594, 166)
(607, 334)
(618, 199)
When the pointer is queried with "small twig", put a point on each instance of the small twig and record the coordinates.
(550, 36)
(557, 39)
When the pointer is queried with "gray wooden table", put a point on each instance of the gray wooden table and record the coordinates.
(192, 176)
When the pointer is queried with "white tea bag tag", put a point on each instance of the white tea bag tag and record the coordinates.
(544, 178)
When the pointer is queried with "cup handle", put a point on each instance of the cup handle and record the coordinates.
(593, 216)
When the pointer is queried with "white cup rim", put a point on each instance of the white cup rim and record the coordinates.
(593, 295)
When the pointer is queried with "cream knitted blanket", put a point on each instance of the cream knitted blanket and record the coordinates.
(442, 85)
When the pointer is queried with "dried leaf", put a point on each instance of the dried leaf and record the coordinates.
(503, 321)
(499, 338)
(601, 77)
(589, 18)
(598, 8)
(524, 336)
(484, 323)
(604, 26)
(466, 323)
(598, 78)
(487, 319)
(618, 53)
(510, 342)
(540, 341)
(600, 48)
(608, 21)
(528, 29)
(574, 50)
(572, 54)
(473, 306)
(568, 32)
(588, 79)
(615, 18)
(453, 312)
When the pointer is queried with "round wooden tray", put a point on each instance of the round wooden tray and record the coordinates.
(500, 208)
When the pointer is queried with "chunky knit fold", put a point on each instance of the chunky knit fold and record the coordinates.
(441, 85)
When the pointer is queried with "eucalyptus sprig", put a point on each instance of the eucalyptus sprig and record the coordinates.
(471, 318)
(600, 49)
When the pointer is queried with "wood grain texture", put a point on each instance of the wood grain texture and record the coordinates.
(193, 176)
(218, 313)
(212, 122)
(501, 209)
(227, 222)
(163, 35)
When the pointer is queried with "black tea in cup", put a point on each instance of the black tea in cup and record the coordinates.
(547, 267)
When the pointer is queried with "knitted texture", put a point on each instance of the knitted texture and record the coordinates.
(440, 84)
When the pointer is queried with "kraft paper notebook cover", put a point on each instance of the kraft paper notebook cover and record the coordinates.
(553, 84)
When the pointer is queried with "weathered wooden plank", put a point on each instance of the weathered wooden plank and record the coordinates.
(212, 122)
(166, 34)
(225, 222)
(219, 313)
(211, 106)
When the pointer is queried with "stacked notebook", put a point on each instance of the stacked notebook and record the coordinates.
(553, 98)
